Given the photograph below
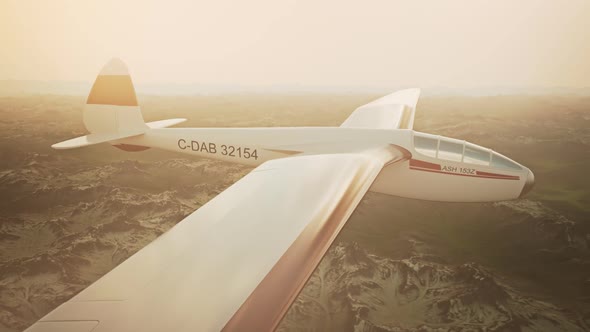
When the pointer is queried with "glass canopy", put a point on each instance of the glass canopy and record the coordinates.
(460, 151)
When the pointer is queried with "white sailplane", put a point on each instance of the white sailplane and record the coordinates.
(238, 262)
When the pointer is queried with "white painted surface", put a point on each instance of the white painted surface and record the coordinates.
(113, 119)
(196, 275)
(114, 67)
(90, 139)
(164, 123)
(394, 111)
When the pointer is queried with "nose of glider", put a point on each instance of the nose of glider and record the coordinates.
(529, 183)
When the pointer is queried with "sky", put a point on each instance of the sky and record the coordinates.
(455, 43)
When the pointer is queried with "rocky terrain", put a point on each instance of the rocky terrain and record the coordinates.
(69, 217)
(353, 290)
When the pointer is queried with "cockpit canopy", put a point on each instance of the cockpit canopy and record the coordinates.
(460, 151)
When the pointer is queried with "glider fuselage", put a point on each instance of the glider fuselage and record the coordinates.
(436, 168)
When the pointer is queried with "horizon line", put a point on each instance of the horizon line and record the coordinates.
(74, 87)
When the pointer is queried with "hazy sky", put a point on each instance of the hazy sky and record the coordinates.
(463, 43)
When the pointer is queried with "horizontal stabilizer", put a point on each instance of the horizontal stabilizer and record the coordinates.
(165, 123)
(91, 139)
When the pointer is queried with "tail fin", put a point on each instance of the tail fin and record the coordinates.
(111, 111)
(112, 105)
